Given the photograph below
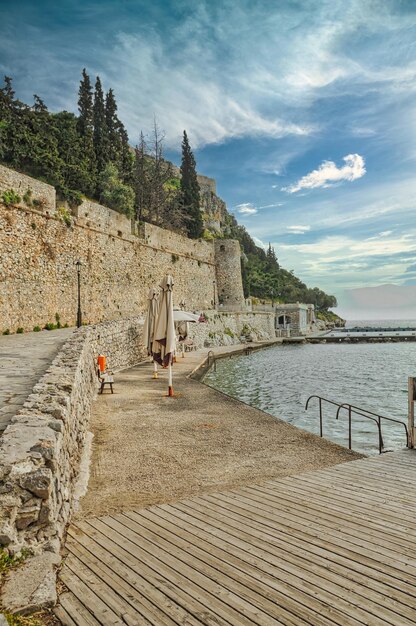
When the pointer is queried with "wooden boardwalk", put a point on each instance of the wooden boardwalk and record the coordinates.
(335, 546)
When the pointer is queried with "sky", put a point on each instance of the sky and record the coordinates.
(303, 111)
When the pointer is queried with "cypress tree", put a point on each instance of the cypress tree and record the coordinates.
(100, 128)
(85, 106)
(190, 190)
(85, 127)
(112, 126)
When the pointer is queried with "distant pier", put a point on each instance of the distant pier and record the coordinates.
(364, 335)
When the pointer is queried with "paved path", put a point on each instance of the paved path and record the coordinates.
(334, 546)
(23, 360)
(149, 449)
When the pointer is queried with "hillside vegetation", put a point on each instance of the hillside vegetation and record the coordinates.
(90, 155)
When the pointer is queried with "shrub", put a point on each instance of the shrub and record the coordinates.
(40, 203)
(33, 225)
(20, 330)
(6, 332)
(27, 198)
(74, 198)
(228, 331)
(175, 258)
(50, 326)
(64, 215)
(37, 329)
(10, 197)
(207, 235)
(58, 320)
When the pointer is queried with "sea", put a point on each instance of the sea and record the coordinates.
(372, 376)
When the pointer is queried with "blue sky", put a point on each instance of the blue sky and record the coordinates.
(304, 112)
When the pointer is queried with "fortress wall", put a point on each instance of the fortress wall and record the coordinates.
(10, 179)
(38, 252)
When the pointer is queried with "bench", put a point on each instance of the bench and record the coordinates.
(105, 378)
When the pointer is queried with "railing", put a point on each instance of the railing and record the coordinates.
(211, 360)
(352, 409)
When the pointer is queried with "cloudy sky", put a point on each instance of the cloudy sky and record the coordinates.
(304, 111)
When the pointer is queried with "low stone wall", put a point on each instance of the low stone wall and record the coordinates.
(224, 328)
(41, 450)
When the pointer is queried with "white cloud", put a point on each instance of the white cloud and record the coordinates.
(246, 209)
(328, 174)
(298, 230)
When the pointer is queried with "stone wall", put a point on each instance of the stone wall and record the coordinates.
(42, 193)
(41, 450)
(120, 261)
(224, 329)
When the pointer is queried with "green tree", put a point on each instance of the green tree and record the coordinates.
(85, 126)
(114, 193)
(100, 136)
(75, 165)
(190, 190)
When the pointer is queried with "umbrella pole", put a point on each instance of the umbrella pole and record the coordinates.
(183, 351)
(170, 391)
(154, 369)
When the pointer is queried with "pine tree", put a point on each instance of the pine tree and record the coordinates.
(100, 128)
(190, 190)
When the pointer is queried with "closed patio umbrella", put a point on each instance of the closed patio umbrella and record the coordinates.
(164, 338)
(149, 324)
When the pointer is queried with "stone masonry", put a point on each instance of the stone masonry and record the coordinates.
(41, 450)
(120, 261)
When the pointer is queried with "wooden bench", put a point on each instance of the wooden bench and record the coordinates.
(105, 378)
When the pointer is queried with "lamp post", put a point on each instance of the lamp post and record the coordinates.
(79, 315)
(213, 284)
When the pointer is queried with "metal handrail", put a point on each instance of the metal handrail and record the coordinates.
(360, 411)
(209, 356)
(374, 417)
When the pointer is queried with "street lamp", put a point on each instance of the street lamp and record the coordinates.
(213, 284)
(79, 316)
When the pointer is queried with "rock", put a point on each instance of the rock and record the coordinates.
(3, 620)
(31, 586)
(27, 515)
(38, 482)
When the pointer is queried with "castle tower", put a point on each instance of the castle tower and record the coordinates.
(228, 273)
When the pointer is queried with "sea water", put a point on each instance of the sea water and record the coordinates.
(373, 376)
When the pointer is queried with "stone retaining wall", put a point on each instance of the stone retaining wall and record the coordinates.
(224, 329)
(41, 450)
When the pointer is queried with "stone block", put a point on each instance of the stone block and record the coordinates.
(32, 586)
(38, 482)
(27, 515)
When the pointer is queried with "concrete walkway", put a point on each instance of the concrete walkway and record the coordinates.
(23, 360)
(150, 449)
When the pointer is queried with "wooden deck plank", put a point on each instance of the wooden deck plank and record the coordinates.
(330, 515)
(263, 566)
(277, 555)
(255, 536)
(133, 587)
(212, 596)
(306, 523)
(331, 547)
(236, 606)
(352, 510)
